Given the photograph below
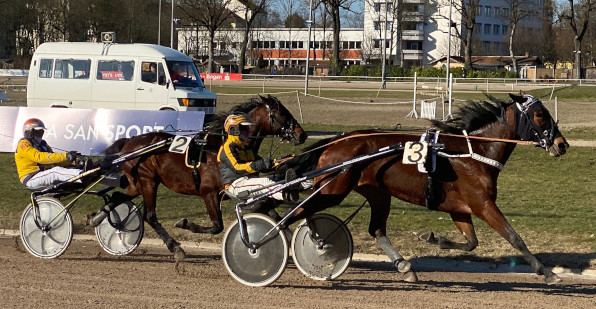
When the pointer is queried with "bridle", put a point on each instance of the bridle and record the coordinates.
(287, 133)
(526, 129)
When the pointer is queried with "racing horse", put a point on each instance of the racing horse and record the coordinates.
(463, 183)
(145, 174)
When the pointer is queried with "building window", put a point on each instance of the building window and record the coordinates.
(488, 10)
(378, 43)
(414, 45)
(505, 29)
(389, 25)
(486, 28)
(377, 25)
(377, 7)
(496, 29)
(506, 12)
(479, 10)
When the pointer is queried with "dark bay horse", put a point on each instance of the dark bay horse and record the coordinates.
(147, 173)
(462, 184)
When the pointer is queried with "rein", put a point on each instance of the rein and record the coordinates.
(480, 138)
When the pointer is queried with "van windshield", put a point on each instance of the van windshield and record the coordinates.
(184, 74)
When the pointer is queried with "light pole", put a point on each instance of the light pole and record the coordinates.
(383, 70)
(159, 25)
(309, 24)
(172, 28)
(447, 77)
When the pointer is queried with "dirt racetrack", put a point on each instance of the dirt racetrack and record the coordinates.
(86, 277)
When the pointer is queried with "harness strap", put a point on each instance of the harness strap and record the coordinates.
(473, 155)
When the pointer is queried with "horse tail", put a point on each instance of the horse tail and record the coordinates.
(116, 146)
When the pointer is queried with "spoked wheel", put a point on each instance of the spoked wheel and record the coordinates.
(322, 247)
(54, 233)
(121, 232)
(255, 267)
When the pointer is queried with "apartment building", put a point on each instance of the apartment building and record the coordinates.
(424, 37)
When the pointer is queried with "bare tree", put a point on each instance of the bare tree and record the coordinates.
(468, 10)
(517, 11)
(250, 11)
(577, 15)
(209, 15)
(333, 8)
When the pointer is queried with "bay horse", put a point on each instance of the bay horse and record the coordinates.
(462, 184)
(145, 174)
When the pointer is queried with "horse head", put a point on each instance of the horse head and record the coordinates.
(533, 122)
(273, 118)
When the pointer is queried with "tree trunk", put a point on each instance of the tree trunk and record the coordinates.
(577, 65)
(242, 56)
(513, 60)
(335, 60)
(211, 40)
(468, 50)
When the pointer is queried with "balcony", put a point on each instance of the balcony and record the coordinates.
(412, 54)
(413, 35)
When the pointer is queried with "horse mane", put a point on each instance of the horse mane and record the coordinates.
(217, 121)
(472, 116)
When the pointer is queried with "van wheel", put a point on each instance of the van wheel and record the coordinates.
(59, 106)
(167, 109)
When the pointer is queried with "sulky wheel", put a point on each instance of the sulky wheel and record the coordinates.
(322, 247)
(121, 232)
(255, 267)
(54, 233)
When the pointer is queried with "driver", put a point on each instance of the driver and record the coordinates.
(37, 164)
(240, 165)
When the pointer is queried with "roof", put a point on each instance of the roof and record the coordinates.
(118, 49)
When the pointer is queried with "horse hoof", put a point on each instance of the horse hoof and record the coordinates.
(410, 276)
(182, 224)
(552, 279)
(428, 237)
(179, 254)
(403, 266)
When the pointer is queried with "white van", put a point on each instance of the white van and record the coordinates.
(116, 76)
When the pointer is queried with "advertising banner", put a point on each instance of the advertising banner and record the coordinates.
(221, 76)
(90, 131)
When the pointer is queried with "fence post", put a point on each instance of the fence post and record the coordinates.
(414, 113)
(300, 105)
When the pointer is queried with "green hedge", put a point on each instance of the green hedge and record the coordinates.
(395, 71)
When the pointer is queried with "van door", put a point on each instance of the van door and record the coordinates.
(152, 93)
(114, 86)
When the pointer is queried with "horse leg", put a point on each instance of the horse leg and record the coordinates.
(116, 199)
(380, 203)
(150, 198)
(493, 217)
(211, 200)
(463, 222)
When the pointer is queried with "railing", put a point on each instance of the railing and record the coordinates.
(459, 80)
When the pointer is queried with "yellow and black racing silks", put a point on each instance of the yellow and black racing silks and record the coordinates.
(30, 160)
(236, 160)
